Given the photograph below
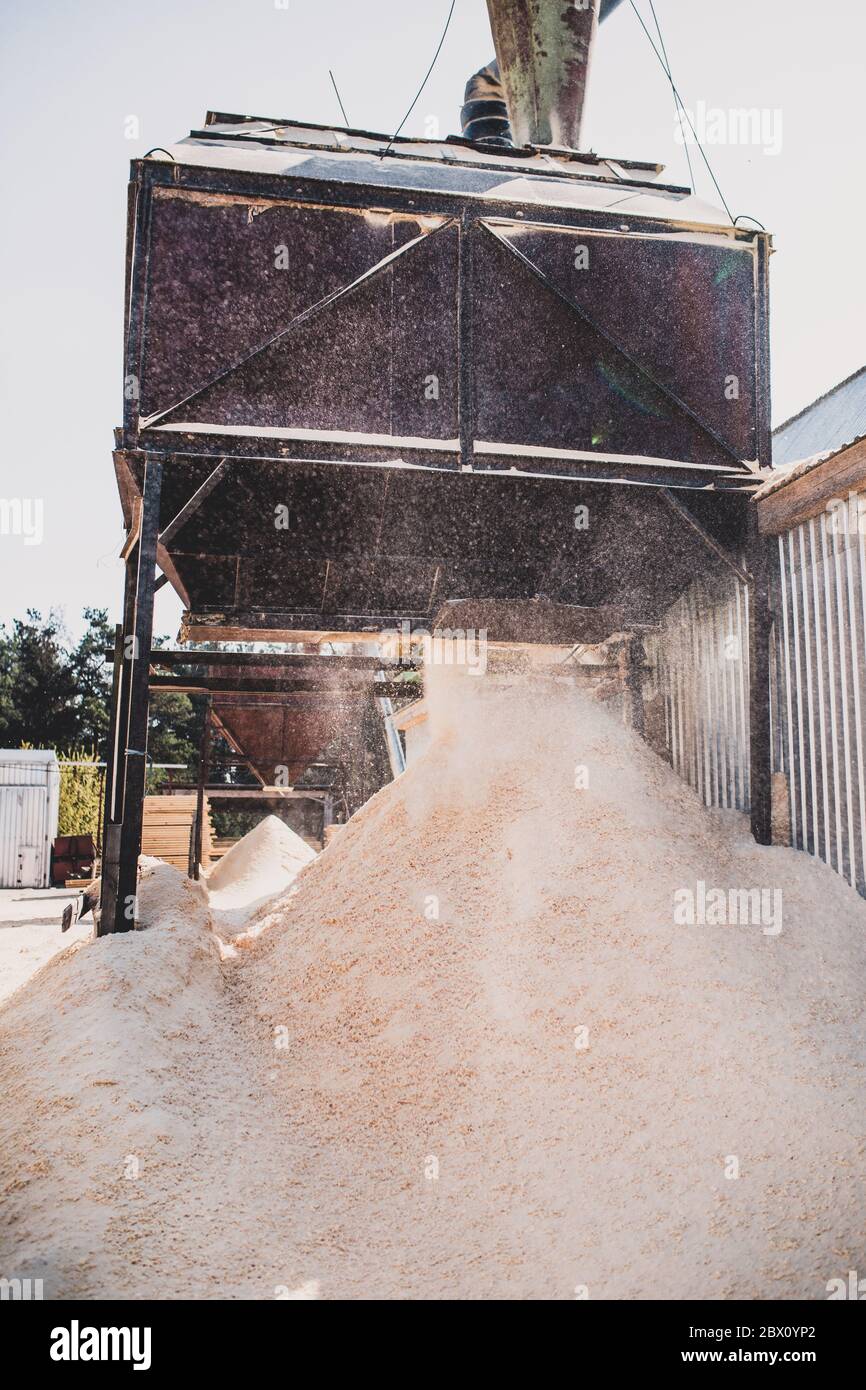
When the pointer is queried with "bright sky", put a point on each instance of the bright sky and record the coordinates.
(72, 72)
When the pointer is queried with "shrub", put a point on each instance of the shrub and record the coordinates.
(80, 794)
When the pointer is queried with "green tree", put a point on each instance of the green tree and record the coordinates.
(37, 686)
(80, 794)
(57, 695)
(174, 733)
(92, 676)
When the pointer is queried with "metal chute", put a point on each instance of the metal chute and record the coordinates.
(533, 93)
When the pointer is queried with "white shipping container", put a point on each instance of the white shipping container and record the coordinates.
(29, 810)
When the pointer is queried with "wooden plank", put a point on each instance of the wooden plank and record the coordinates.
(266, 794)
(182, 801)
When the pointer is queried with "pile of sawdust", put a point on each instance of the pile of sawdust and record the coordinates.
(256, 868)
(140, 1155)
(524, 1077)
(472, 1054)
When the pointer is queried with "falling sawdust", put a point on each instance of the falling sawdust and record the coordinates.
(469, 1055)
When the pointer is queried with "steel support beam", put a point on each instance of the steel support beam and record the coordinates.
(203, 774)
(131, 750)
(288, 685)
(299, 661)
(115, 761)
(760, 632)
(632, 662)
(760, 615)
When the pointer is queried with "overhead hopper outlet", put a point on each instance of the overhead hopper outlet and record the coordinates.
(543, 48)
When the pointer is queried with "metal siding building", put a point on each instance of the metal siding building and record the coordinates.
(813, 514)
(828, 423)
(29, 810)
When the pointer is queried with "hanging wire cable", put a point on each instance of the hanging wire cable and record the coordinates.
(678, 98)
(677, 103)
(339, 98)
(423, 84)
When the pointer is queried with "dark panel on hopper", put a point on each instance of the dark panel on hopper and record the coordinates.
(330, 372)
(268, 577)
(214, 289)
(547, 378)
(424, 342)
(655, 297)
(422, 539)
(214, 577)
(355, 364)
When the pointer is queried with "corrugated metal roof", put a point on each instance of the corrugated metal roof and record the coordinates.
(551, 177)
(827, 425)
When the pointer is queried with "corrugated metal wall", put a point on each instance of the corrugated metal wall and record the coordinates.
(29, 805)
(700, 669)
(820, 601)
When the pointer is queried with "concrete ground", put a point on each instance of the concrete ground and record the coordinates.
(30, 932)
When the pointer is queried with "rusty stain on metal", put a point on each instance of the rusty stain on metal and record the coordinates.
(543, 50)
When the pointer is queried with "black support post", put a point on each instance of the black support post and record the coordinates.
(760, 628)
(631, 666)
(131, 747)
(203, 774)
(111, 755)
(760, 617)
(115, 761)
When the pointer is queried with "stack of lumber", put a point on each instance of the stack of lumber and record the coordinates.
(167, 827)
(221, 846)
